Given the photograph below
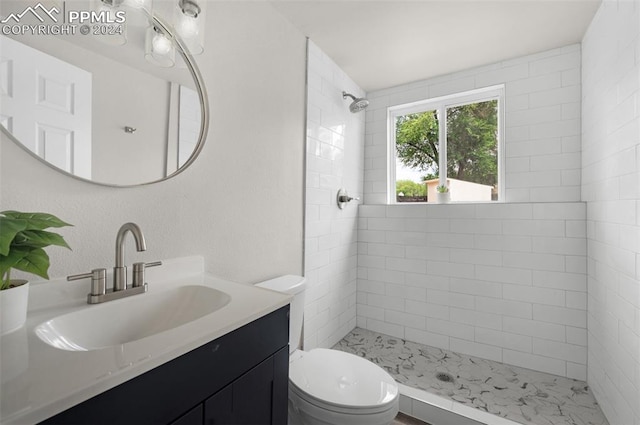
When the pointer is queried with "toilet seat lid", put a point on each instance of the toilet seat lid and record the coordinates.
(342, 379)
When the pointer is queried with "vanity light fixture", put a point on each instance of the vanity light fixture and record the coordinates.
(159, 48)
(184, 18)
(189, 24)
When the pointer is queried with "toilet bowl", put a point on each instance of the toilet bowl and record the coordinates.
(331, 387)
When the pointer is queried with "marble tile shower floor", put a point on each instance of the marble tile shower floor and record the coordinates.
(518, 394)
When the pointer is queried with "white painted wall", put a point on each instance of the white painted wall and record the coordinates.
(240, 205)
(128, 97)
(542, 124)
(335, 155)
(611, 189)
(460, 191)
(136, 100)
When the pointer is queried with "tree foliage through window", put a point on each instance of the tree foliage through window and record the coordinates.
(472, 148)
(410, 188)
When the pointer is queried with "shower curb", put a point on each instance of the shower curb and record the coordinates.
(432, 408)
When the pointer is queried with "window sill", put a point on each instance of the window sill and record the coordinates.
(445, 203)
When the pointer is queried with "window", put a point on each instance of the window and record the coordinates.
(457, 159)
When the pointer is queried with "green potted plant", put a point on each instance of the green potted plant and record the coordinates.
(22, 241)
(443, 196)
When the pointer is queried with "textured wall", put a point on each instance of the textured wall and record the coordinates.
(241, 203)
(335, 154)
(611, 188)
(542, 124)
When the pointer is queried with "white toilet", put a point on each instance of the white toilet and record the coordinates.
(330, 387)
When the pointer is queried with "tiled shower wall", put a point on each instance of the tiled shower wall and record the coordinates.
(335, 144)
(502, 282)
(542, 124)
(611, 189)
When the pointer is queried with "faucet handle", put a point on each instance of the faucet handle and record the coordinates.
(138, 272)
(98, 280)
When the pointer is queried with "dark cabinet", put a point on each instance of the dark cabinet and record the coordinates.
(252, 399)
(193, 416)
(256, 397)
(239, 378)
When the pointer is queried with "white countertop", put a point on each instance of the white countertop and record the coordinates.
(39, 381)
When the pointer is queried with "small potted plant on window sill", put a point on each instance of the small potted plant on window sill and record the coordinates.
(22, 241)
(443, 195)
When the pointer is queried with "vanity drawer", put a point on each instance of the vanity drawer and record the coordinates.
(165, 393)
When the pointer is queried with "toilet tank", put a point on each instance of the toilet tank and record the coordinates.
(292, 285)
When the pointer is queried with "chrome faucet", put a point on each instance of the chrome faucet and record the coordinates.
(120, 270)
(99, 292)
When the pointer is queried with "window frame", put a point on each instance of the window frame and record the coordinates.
(440, 104)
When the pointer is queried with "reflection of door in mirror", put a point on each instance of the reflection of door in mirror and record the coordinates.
(46, 104)
(184, 126)
(139, 124)
(189, 125)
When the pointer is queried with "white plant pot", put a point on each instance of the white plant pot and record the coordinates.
(13, 307)
(443, 197)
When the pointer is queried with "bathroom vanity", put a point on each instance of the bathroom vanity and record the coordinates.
(227, 366)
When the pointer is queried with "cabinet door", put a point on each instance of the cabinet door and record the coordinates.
(259, 397)
(280, 413)
(252, 395)
(219, 408)
(247, 401)
(192, 417)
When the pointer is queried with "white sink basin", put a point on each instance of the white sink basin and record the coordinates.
(130, 319)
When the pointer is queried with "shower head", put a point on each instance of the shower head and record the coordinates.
(358, 104)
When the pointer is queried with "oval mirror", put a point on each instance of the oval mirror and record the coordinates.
(93, 106)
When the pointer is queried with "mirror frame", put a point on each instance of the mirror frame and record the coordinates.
(204, 114)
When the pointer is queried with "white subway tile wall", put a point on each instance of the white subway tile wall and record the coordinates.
(497, 281)
(335, 159)
(542, 124)
(611, 189)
